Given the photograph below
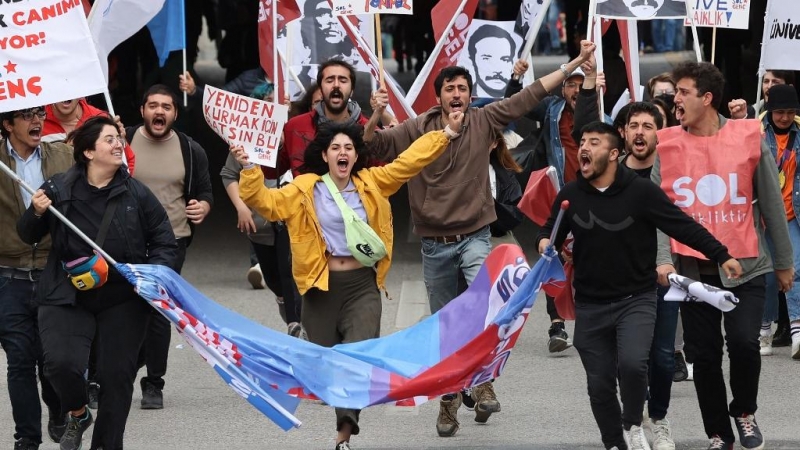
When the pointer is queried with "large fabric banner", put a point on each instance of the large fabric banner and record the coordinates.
(720, 13)
(47, 54)
(113, 21)
(781, 36)
(466, 343)
(254, 124)
(641, 9)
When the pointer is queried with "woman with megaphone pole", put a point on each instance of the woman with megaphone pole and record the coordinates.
(80, 299)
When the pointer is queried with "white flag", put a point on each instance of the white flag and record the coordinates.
(113, 21)
(46, 54)
(781, 39)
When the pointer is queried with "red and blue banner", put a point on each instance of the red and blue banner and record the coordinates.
(466, 343)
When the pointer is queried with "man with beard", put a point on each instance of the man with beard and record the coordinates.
(175, 168)
(335, 79)
(65, 116)
(612, 211)
(21, 265)
(644, 120)
(720, 190)
(491, 50)
(451, 200)
(641, 9)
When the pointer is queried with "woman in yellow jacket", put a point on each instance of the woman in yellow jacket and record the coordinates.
(341, 297)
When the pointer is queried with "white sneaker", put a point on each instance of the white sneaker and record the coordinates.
(796, 349)
(635, 438)
(765, 343)
(662, 435)
(255, 277)
(690, 371)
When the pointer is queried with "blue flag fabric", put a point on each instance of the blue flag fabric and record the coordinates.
(168, 29)
(466, 343)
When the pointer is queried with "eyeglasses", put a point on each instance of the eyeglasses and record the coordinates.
(28, 115)
(111, 140)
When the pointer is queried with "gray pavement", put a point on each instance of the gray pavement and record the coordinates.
(544, 400)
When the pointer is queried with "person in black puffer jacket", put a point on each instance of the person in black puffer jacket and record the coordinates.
(112, 313)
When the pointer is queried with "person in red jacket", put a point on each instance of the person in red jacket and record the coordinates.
(65, 116)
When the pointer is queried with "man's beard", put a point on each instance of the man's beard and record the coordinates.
(641, 157)
(600, 167)
(167, 129)
(338, 109)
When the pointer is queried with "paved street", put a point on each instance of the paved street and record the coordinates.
(544, 400)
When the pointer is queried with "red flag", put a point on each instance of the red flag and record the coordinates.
(540, 193)
(422, 95)
(287, 12)
(87, 7)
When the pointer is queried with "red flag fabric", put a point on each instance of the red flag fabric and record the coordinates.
(287, 12)
(540, 193)
(422, 95)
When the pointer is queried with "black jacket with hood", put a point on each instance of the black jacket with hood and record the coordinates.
(614, 251)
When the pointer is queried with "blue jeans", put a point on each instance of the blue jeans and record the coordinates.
(771, 298)
(793, 296)
(662, 355)
(442, 263)
(19, 336)
(664, 31)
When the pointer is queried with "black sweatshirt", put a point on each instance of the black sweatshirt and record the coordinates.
(614, 252)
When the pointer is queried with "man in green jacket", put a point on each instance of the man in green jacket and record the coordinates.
(22, 151)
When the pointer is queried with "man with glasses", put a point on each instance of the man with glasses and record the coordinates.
(34, 161)
(175, 168)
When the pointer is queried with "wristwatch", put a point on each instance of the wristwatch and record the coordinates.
(564, 70)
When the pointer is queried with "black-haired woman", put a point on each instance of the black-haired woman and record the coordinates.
(341, 295)
(98, 196)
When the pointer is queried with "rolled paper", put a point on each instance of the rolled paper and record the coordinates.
(683, 289)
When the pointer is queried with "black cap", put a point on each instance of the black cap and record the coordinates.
(782, 96)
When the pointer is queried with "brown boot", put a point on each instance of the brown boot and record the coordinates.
(485, 401)
(447, 423)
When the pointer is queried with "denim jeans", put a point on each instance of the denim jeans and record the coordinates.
(442, 264)
(793, 296)
(664, 32)
(19, 336)
(662, 355)
(771, 299)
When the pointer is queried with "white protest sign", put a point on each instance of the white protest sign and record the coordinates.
(353, 7)
(46, 54)
(781, 36)
(720, 13)
(254, 124)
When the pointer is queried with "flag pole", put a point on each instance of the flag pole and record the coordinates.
(274, 18)
(761, 69)
(379, 48)
(690, 15)
(58, 214)
(598, 53)
(713, 44)
(292, 74)
(530, 39)
(183, 34)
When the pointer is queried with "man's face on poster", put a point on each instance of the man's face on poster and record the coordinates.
(329, 27)
(494, 62)
(643, 8)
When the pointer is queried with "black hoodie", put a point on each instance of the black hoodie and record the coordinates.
(615, 235)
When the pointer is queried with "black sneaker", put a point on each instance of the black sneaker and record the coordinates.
(56, 427)
(782, 337)
(466, 399)
(26, 444)
(681, 371)
(559, 339)
(93, 391)
(718, 444)
(152, 397)
(749, 434)
(71, 440)
(344, 445)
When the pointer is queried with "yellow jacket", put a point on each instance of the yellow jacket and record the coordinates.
(294, 204)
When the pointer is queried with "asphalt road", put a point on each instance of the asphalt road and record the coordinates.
(544, 399)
